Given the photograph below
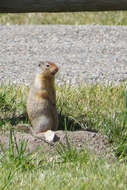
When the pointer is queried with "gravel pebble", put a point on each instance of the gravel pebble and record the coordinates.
(87, 53)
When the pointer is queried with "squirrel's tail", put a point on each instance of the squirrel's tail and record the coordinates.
(23, 127)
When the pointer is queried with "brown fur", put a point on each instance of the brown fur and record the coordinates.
(41, 102)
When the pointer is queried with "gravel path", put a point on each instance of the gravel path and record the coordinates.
(84, 53)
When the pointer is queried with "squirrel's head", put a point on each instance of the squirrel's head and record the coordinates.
(48, 68)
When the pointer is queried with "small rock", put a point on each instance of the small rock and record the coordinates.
(50, 136)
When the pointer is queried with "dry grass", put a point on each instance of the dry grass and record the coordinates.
(104, 18)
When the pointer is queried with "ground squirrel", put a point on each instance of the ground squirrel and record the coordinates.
(41, 101)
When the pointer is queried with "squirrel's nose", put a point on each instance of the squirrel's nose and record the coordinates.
(54, 71)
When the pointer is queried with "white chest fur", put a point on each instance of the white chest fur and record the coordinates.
(37, 82)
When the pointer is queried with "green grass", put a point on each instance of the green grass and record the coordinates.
(98, 107)
(82, 170)
(101, 107)
(104, 18)
(85, 171)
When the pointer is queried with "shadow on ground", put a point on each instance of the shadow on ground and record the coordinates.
(66, 123)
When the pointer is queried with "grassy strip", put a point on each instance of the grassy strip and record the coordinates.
(104, 18)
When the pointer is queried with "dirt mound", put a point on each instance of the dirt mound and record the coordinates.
(80, 139)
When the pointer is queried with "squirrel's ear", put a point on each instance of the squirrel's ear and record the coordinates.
(41, 63)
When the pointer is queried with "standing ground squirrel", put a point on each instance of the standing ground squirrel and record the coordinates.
(41, 101)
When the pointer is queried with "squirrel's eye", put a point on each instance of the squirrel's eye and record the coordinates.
(47, 65)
